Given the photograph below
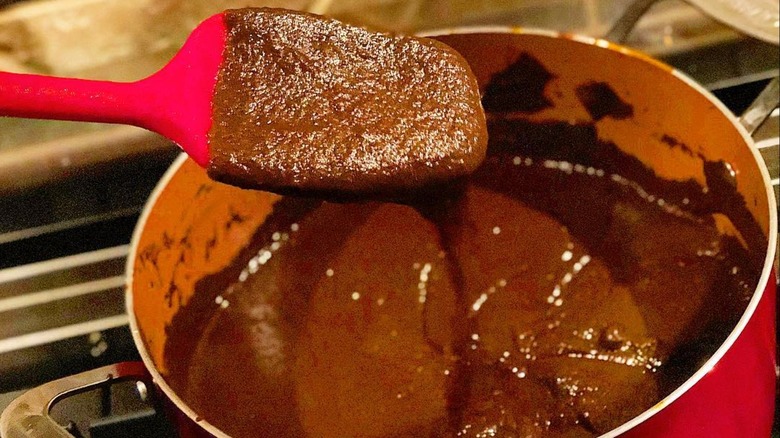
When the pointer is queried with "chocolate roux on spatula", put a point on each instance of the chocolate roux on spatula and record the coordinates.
(309, 104)
(559, 291)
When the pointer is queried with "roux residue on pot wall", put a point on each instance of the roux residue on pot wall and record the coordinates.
(309, 104)
(549, 294)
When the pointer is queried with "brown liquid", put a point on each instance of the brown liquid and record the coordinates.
(559, 291)
(308, 104)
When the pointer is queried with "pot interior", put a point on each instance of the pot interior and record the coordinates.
(656, 123)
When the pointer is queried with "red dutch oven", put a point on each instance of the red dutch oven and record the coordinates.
(731, 395)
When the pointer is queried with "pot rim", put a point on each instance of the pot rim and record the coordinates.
(747, 315)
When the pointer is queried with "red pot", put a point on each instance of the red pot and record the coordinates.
(731, 395)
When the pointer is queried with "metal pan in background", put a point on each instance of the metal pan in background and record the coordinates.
(757, 18)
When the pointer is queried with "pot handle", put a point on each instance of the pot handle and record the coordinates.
(28, 415)
(760, 109)
(625, 24)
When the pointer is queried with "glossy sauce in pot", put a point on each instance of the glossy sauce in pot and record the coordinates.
(559, 291)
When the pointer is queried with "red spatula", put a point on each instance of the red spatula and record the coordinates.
(175, 102)
(290, 102)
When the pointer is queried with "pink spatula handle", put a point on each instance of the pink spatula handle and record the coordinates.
(44, 97)
(175, 102)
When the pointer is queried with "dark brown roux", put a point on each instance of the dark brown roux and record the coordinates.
(560, 291)
(309, 104)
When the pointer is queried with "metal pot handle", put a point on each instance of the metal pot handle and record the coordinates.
(28, 415)
(626, 23)
(762, 107)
